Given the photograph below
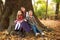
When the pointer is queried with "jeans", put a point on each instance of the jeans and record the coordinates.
(35, 30)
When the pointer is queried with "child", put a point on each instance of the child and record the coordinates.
(18, 20)
(25, 23)
(23, 11)
(34, 24)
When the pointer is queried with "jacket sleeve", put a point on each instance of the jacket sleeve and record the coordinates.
(35, 21)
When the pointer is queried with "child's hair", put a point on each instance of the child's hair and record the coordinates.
(19, 13)
(31, 12)
(22, 8)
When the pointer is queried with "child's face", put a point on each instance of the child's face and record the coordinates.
(23, 9)
(30, 13)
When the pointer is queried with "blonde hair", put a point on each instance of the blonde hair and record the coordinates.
(18, 13)
(30, 12)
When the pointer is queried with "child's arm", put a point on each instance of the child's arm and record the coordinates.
(35, 21)
(25, 20)
(15, 21)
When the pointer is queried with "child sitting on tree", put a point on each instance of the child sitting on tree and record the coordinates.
(18, 20)
(34, 24)
(21, 23)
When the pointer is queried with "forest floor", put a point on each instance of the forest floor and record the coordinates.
(54, 35)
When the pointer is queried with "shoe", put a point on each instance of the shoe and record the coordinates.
(37, 34)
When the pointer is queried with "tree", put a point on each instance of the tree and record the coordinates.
(46, 9)
(7, 11)
(43, 9)
(57, 8)
(1, 7)
(13, 6)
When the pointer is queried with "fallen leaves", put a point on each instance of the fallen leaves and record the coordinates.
(54, 35)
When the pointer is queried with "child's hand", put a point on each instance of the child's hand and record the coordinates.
(15, 21)
(25, 20)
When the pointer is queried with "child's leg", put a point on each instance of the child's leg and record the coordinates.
(22, 32)
(34, 29)
(16, 25)
(38, 31)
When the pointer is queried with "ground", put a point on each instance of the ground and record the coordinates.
(53, 35)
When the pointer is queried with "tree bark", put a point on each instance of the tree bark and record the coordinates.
(5, 15)
(1, 8)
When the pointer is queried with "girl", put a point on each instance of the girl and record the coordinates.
(34, 24)
(19, 20)
(25, 23)
(23, 11)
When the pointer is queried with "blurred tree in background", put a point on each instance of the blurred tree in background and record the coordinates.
(46, 8)
(57, 8)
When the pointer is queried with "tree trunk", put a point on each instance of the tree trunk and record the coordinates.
(11, 8)
(57, 11)
(46, 9)
(4, 23)
(1, 7)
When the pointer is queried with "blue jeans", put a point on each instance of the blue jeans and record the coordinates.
(35, 30)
